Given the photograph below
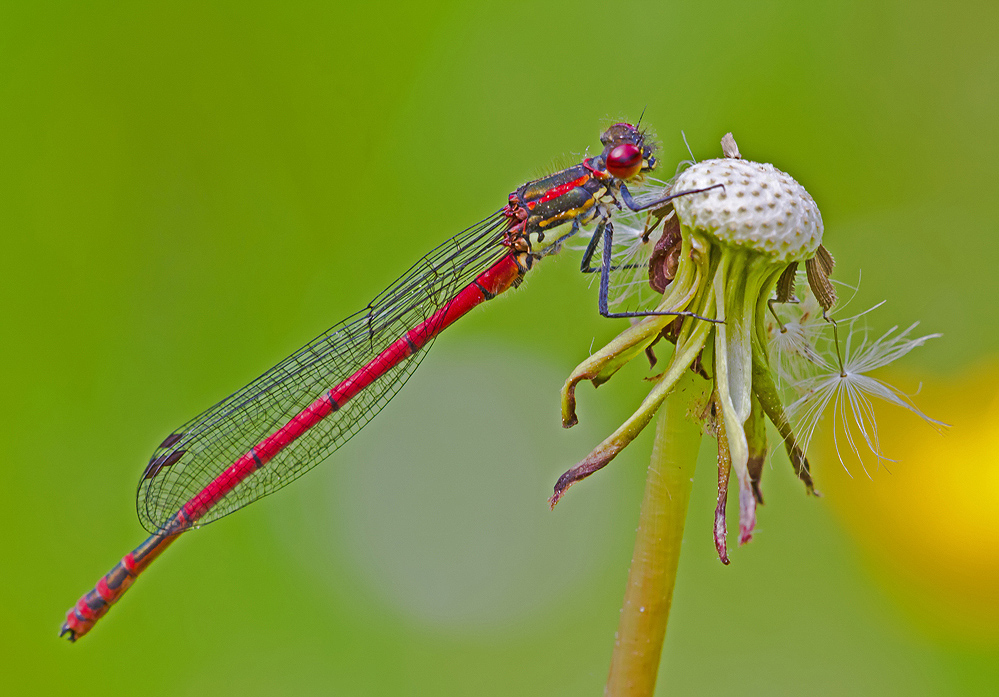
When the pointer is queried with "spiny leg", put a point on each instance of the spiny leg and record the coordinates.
(591, 248)
(608, 237)
(556, 246)
(636, 206)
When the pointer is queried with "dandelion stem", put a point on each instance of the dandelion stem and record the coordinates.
(648, 597)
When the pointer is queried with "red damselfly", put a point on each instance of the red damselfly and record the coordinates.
(297, 413)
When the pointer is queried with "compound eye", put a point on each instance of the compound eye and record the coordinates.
(624, 161)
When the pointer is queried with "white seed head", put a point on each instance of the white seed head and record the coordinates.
(760, 208)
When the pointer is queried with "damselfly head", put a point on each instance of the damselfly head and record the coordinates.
(626, 153)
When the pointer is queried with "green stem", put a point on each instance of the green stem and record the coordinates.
(649, 593)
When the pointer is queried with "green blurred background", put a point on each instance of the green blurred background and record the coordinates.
(190, 192)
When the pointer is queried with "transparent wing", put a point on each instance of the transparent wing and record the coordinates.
(191, 457)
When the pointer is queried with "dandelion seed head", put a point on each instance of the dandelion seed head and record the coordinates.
(759, 207)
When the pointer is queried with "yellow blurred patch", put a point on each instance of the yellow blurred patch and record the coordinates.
(928, 522)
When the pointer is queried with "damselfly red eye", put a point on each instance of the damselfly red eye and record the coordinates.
(624, 161)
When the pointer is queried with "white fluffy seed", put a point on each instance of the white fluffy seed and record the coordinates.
(783, 222)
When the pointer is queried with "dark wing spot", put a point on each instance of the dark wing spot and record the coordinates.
(171, 439)
(158, 463)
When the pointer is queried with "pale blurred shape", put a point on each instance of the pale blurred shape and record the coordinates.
(445, 512)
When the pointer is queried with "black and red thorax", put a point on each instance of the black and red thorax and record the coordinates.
(580, 193)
